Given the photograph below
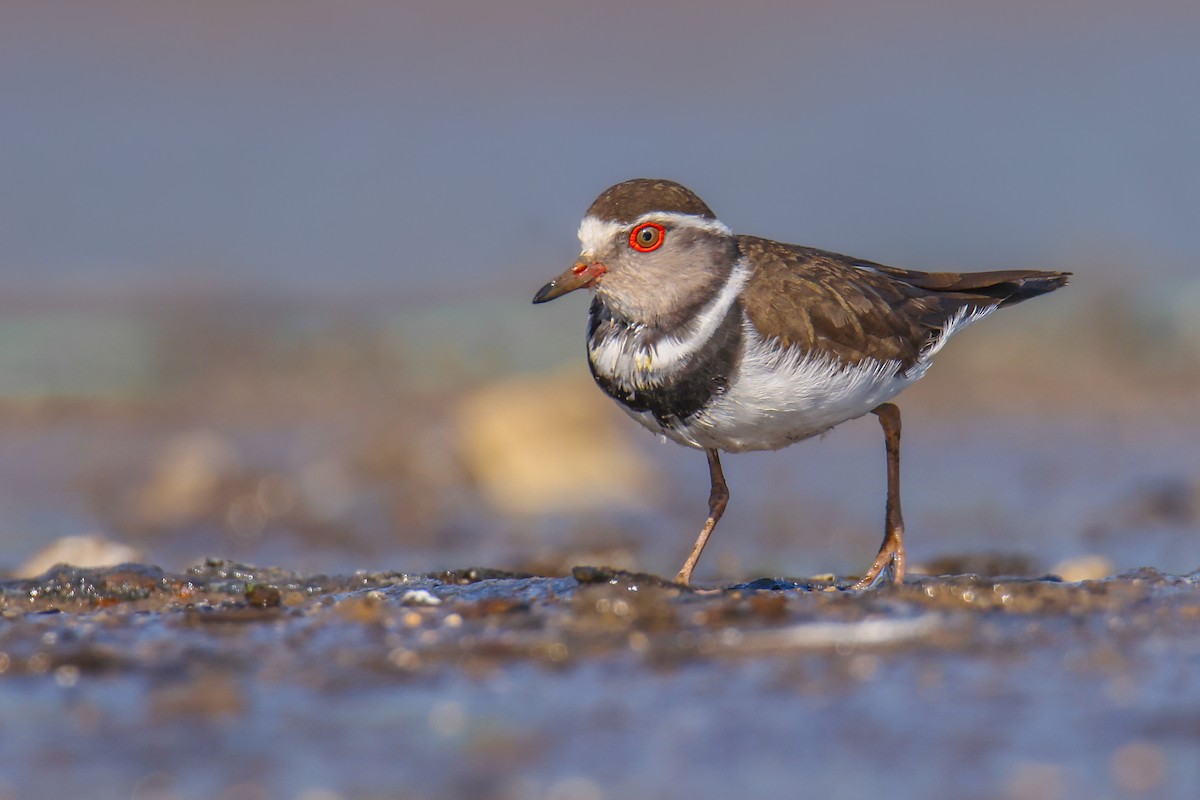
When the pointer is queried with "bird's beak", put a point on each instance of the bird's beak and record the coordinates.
(580, 276)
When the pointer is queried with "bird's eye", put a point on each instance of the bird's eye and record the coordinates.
(647, 236)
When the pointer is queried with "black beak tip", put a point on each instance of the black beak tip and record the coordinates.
(541, 297)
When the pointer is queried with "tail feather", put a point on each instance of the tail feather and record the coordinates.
(1007, 286)
(1038, 283)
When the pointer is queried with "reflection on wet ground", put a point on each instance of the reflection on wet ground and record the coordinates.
(230, 681)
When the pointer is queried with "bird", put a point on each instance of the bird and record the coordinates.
(732, 343)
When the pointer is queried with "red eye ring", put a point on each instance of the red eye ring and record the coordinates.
(647, 236)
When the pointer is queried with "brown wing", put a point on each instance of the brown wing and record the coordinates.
(853, 309)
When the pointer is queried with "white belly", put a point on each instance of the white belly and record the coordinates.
(784, 396)
(781, 397)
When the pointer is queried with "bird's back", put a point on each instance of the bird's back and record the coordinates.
(829, 304)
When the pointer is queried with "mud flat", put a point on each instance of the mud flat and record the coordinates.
(236, 682)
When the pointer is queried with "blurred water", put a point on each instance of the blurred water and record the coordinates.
(178, 688)
(967, 728)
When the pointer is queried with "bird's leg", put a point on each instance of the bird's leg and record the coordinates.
(718, 496)
(890, 559)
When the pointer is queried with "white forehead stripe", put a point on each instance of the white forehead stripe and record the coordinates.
(596, 233)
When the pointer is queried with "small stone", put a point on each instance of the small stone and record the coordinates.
(264, 596)
(420, 597)
(1084, 568)
(92, 550)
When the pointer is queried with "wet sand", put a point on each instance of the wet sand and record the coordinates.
(230, 681)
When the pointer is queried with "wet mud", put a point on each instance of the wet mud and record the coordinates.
(232, 681)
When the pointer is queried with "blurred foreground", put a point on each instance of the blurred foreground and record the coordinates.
(234, 682)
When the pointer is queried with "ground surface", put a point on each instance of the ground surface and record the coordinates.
(234, 682)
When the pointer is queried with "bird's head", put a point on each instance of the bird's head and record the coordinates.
(649, 248)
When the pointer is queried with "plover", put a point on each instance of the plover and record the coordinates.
(720, 341)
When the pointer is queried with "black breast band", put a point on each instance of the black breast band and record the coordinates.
(692, 386)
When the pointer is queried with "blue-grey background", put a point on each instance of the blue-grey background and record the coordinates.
(369, 146)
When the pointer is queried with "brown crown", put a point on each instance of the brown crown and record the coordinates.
(627, 201)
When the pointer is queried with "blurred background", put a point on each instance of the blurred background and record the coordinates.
(266, 269)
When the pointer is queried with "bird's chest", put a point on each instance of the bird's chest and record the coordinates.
(663, 377)
(731, 389)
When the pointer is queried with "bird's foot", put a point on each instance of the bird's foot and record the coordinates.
(887, 567)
